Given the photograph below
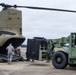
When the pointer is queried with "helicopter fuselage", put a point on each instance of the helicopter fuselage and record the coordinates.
(10, 29)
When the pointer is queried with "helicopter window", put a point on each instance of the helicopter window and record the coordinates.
(18, 18)
(9, 18)
(6, 33)
(20, 30)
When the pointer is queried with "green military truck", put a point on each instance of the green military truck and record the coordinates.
(62, 51)
(65, 52)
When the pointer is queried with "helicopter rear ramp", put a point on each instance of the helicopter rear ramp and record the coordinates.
(4, 58)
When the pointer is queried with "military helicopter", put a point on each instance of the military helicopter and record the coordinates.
(11, 25)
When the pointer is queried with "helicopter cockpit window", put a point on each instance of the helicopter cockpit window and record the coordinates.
(6, 33)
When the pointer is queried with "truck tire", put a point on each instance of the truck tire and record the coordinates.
(59, 60)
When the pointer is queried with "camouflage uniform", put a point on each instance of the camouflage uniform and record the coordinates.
(10, 49)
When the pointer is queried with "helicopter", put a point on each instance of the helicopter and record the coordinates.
(11, 24)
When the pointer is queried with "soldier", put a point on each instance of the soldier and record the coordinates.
(18, 51)
(10, 50)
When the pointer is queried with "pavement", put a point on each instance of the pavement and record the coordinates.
(34, 68)
(28, 67)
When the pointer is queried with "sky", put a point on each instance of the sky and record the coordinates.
(48, 24)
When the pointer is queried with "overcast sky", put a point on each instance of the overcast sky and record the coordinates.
(48, 24)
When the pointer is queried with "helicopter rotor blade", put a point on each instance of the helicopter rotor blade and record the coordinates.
(52, 9)
(37, 8)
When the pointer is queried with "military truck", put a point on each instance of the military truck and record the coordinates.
(66, 52)
(62, 51)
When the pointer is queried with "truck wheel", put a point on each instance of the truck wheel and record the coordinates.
(59, 60)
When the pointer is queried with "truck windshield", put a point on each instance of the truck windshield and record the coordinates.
(74, 39)
(66, 45)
